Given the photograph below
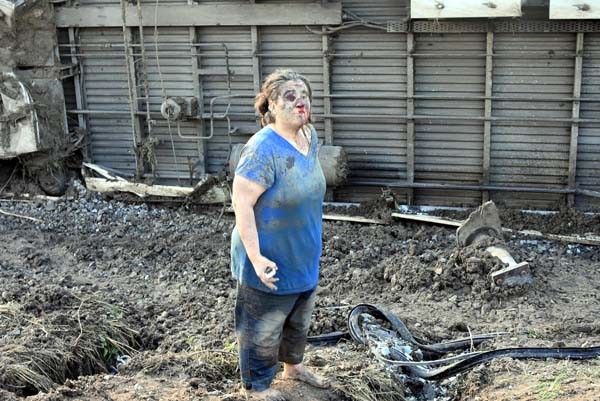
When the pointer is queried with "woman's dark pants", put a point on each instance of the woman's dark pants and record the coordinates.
(270, 328)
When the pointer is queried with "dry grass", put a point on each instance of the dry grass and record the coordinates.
(37, 353)
(214, 367)
(360, 378)
(369, 384)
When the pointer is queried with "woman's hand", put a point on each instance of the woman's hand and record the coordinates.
(265, 270)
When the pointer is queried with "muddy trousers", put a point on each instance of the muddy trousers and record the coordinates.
(270, 328)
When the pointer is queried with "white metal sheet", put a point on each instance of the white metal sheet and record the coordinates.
(464, 8)
(574, 9)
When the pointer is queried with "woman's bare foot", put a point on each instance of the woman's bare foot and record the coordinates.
(299, 372)
(267, 395)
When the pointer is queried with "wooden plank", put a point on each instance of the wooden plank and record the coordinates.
(213, 195)
(588, 240)
(428, 219)
(202, 15)
(572, 178)
(576, 239)
(103, 172)
(574, 9)
(464, 8)
(353, 219)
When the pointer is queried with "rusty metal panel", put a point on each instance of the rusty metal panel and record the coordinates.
(449, 82)
(105, 84)
(526, 150)
(368, 86)
(588, 155)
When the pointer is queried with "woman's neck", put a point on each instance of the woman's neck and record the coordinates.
(285, 130)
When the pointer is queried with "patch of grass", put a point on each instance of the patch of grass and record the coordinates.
(589, 372)
(549, 390)
(533, 334)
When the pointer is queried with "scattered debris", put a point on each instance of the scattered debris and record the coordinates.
(482, 223)
(353, 219)
(427, 219)
(19, 216)
(514, 274)
(481, 226)
(206, 191)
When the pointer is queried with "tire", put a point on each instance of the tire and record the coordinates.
(53, 181)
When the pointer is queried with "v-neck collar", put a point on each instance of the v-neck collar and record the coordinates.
(310, 145)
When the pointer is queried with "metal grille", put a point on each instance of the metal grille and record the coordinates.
(504, 25)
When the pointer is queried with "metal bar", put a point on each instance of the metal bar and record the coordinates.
(327, 88)
(130, 73)
(410, 111)
(396, 117)
(462, 187)
(198, 90)
(144, 67)
(487, 124)
(466, 97)
(572, 180)
(79, 98)
(364, 117)
(256, 70)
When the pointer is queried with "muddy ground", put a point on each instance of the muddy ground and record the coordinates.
(106, 300)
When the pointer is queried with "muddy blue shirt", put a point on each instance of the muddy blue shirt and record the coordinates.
(288, 214)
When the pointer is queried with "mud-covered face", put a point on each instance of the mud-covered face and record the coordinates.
(292, 105)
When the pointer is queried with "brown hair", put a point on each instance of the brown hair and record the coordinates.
(270, 90)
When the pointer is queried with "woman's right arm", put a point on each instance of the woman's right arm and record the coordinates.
(244, 197)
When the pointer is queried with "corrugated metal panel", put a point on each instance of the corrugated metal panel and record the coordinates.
(213, 79)
(449, 151)
(369, 79)
(525, 152)
(117, 2)
(380, 11)
(172, 76)
(105, 86)
(296, 48)
(588, 156)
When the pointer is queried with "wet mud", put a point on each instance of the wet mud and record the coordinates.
(136, 302)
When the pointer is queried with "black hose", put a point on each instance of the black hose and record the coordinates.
(398, 325)
(516, 353)
(449, 370)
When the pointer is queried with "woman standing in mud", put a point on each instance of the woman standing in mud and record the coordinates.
(278, 191)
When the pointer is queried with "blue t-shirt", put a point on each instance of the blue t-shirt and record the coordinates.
(289, 214)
